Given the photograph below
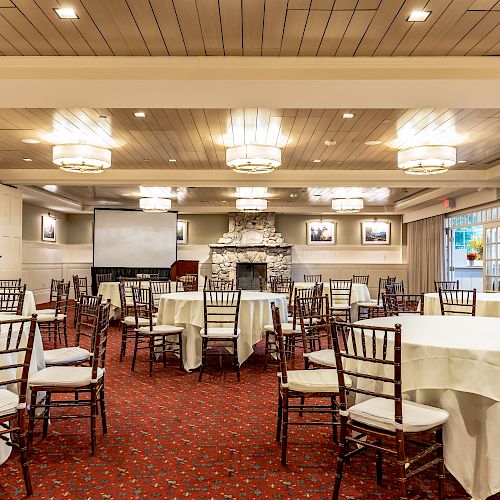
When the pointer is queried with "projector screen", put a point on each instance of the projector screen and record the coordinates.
(132, 238)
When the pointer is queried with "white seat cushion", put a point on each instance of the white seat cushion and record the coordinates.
(341, 307)
(45, 311)
(63, 376)
(130, 321)
(220, 332)
(286, 328)
(162, 329)
(65, 355)
(8, 402)
(379, 413)
(324, 357)
(42, 318)
(370, 304)
(314, 380)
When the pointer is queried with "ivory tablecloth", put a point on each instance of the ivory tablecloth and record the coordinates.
(487, 304)
(359, 292)
(186, 309)
(37, 363)
(453, 362)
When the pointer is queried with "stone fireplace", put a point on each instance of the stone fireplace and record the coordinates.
(251, 239)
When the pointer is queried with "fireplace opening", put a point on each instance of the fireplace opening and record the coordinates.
(247, 275)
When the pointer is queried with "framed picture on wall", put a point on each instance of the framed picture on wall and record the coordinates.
(321, 233)
(48, 228)
(181, 232)
(375, 232)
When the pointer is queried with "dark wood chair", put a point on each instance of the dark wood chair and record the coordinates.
(80, 287)
(159, 288)
(340, 299)
(54, 287)
(375, 308)
(10, 283)
(457, 302)
(86, 382)
(189, 283)
(403, 304)
(395, 288)
(378, 423)
(285, 286)
(12, 299)
(361, 279)
(87, 316)
(218, 284)
(312, 278)
(221, 318)
(103, 278)
(157, 339)
(303, 385)
(53, 325)
(15, 351)
(447, 285)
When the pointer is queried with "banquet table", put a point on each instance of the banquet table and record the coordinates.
(453, 362)
(37, 363)
(487, 304)
(186, 309)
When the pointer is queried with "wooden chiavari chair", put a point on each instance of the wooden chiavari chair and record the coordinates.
(302, 384)
(103, 278)
(286, 287)
(378, 423)
(312, 278)
(54, 287)
(361, 279)
(157, 339)
(221, 318)
(340, 299)
(159, 288)
(10, 283)
(218, 284)
(12, 299)
(375, 308)
(403, 305)
(16, 346)
(52, 325)
(395, 288)
(87, 316)
(80, 380)
(80, 287)
(457, 302)
(128, 284)
(189, 282)
(447, 285)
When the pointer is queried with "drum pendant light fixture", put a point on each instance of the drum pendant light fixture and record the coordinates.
(427, 160)
(81, 158)
(253, 158)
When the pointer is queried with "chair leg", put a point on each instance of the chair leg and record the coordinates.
(181, 353)
(235, 358)
(284, 438)
(164, 353)
(151, 354)
(266, 351)
(24, 453)
(103, 412)
(379, 468)
(441, 471)
(333, 405)
(93, 418)
(65, 333)
(46, 415)
(136, 346)
(204, 344)
(340, 458)
(31, 421)
(124, 342)
(280, 416)
(401, 458)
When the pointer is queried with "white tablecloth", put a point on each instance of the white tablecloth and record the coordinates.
(37, 363)
(487, 304)
(186, 309)
(453, 362)
(359, 292)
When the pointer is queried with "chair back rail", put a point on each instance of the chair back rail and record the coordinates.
(103, 278)
(461, 302)
(447, 285)
(80, 286)
(340, 292)
(221, 307)
(314, 319)
(218, 284)
(189, 282)
(159, 288)
(396, 304)
(10, 283)
(361, 279)
(275, 312)
(382, 284)
(54, 286)
(88, 312)
(395, 288)
(143, 305)
(12, 299)
(62, 298)
(100, 339)
(313, 278)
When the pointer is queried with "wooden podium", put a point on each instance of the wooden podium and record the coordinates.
(182, 267)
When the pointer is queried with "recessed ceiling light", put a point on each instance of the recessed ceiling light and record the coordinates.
(140, 114)
(373, 143)
(172, 160)
(330, 143)
(27, 159)
(66, 13)
(30, 141)
(418, 16)
(224, 201)
(462, 161)
(146, 159)
(316, 161)
(293, 195)
(348, 115)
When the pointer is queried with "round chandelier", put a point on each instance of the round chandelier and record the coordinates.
(251, 204)
(155, 204)
(253, 158)
(81, 158)
(427, 160)
(347, 205)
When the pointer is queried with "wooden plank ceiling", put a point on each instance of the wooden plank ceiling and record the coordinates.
(197, 138)
(250, 28)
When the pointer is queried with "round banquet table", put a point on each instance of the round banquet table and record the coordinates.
(487, 304)
(186, 309)
(453, 362)
(37, 363)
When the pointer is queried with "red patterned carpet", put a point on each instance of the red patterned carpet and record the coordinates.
(170, 436)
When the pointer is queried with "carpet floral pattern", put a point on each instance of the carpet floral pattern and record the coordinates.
(170, 436)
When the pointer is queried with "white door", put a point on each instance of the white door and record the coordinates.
(11, 210)
(491, 257)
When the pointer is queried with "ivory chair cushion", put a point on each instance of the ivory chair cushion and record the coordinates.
(220, 332)
(340, 307)
(45, 311)
(324, 357)
(379, 413)
(286, 328)
(8, 402)
(43, 318)
(64, 376)
(373, 305)
(315, 380)
(130, 321)
(162, 330)
(66, 355)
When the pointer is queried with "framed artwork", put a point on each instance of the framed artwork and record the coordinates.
(48, 228)
(375, 232)
(321, 233)
(181, 232)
